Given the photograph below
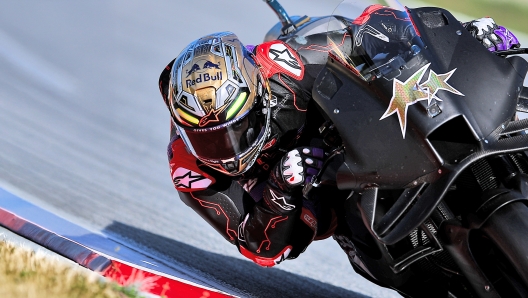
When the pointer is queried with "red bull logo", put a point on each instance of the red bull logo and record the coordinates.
(202, 78)
(205, 65)
(202, 69)
(210, 64)
(193, 69)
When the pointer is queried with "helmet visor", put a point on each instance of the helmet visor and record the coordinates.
(227, 140)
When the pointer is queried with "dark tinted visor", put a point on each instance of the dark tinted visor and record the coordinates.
(228, 140)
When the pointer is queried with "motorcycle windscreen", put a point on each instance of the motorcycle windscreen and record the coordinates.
(385, 40)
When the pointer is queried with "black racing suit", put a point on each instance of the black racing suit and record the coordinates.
(234, 205)
(265, 237)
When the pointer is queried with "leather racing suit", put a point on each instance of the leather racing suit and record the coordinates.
(234, 206)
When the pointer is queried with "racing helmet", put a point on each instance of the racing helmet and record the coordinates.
(218, 102)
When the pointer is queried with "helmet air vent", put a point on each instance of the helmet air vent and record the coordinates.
(207, 98)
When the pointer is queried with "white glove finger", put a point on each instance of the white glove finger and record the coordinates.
(487, 43)
(494, 38)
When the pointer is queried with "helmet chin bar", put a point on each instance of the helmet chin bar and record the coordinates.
(240, 164)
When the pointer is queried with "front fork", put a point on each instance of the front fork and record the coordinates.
(501, 222)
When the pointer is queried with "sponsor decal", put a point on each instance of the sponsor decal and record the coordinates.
(193, 69)
(276, 57)
(272, 101)
(202, 78)
(281, 201)
(282, 55)
(210, 64)
(309, 220)
(184, 178)
(283, 256)
(212, 116)
(412, 91)
(202, 68)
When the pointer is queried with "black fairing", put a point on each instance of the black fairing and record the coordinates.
(376, 152)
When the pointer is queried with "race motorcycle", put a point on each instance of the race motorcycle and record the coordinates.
(427, 137)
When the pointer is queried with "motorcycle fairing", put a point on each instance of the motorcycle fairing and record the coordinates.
(377, 155)
(474, 126)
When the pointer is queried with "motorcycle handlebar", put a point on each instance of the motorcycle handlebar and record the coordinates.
(287, 24)
(512, 52)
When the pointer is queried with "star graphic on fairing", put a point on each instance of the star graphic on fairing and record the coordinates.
(187, 180)
(281, 201)
(411, 91)
(437, 82)
(405, 94)
(286, 57)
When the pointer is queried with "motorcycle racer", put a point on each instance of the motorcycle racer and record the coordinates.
(241, 149)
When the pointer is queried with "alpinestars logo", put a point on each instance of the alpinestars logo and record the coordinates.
(281, 201)
(371, 31)
(187, 180)
(281, 54)
(212, 116)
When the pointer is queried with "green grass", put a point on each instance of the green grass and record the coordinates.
(512, 14)
(24, 273)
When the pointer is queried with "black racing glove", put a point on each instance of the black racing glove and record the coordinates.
(282, 193)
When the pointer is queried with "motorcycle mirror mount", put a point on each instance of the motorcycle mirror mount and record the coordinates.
(288, 25)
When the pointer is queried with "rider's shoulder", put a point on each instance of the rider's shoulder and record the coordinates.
(276, 57)
(187, 176)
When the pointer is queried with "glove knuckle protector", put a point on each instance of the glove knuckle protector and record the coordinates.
(492, 36)
(296, 168)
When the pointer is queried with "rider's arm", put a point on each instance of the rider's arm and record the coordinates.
(213, 196)
(282, 225)
(266, 235)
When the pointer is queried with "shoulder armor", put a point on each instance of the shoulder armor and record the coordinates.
(278, 57)
(186, 175)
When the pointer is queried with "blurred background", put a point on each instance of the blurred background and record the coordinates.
(83, 129)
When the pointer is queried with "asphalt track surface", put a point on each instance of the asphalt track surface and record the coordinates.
(83, 132)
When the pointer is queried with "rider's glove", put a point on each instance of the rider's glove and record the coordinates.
(282, 192)
(493, 37)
